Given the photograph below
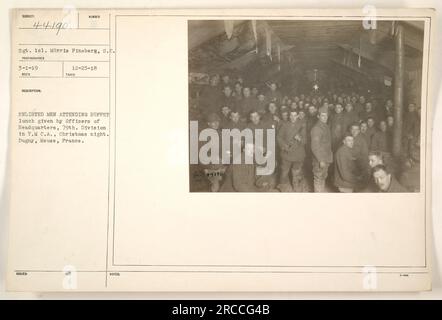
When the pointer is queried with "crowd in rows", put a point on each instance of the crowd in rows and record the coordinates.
(334, 141)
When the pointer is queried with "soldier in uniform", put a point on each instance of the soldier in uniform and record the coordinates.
(385, 181)
(291, 140)
(371, 129)
(365, 133)
(360, 151)
(380, 142)
(345, 172)
(211, 97)
(225, 117)
(321, 150)
(228, 99)
(273, 94)
(247, 104)
(337, 124)
(410, 177)
(411, 128)
(367, 112)
(261, 104)
(272, 118)
(235, 121)
(350, 116)
(214, 172)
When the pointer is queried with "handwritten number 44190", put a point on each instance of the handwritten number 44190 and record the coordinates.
(48, 25)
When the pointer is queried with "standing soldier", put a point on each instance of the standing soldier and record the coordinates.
(337, 126)
(215, 171)
(380, 141)
(291, 141)
(360, 151)
(321, 150)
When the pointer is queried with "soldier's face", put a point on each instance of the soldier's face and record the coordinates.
(285, 116)
(390, 121)
(323, 117)
(383, 126)
(261, 97)
(227, 91)
(370, 122)
(338, 108)
(301, 115)
(272, 108)
(355, 130)
(273, 86)
(293, 116)
(382, 179)
(234, 116)
(254, 118)
(225, 111)
(214, 125)
(374, 160)
(363, 127)
(349, 141)
(246, 92)
(348, 107)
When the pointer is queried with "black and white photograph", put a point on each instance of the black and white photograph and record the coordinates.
(305, 105)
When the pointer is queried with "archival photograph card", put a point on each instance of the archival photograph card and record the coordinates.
(220, 150)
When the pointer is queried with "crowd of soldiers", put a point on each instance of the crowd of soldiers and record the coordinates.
(334, 141)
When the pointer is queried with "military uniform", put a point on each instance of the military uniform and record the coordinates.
(322, 152)
(337, 124)
(292, 152)
(270, 120)
(228, 102)
(345, 171)
(274, 96)
(240, 178)
(370, 133)
(246, 105)
(364, 115)
(379, 142)
(360, 152)
(395, 187)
